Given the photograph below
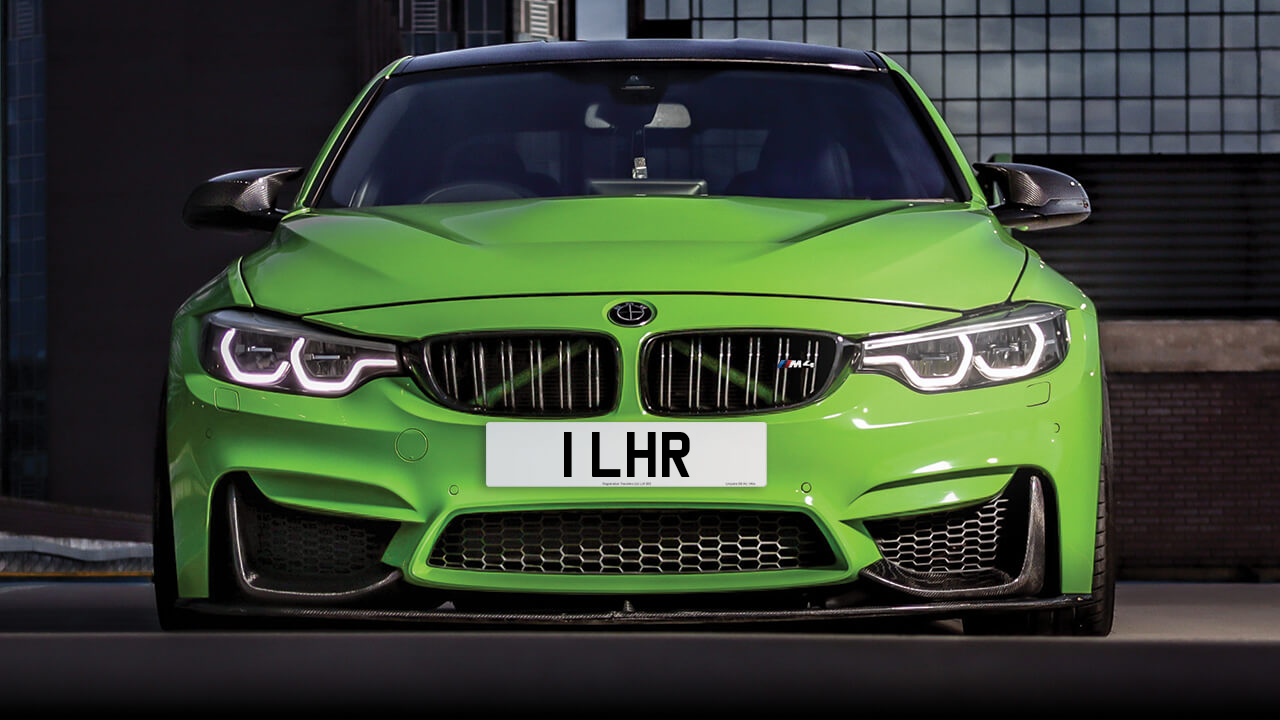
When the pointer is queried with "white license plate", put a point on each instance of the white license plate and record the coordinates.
(639, 454)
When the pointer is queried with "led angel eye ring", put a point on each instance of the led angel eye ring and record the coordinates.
(333, 386)
(1014, 372)
(240, 376)
(922, 382)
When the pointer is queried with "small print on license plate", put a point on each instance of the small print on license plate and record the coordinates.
(641, 454)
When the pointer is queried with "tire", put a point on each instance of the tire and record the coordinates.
(1095, 617)
(164, 574)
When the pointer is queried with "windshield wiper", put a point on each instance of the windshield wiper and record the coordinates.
(647, 187)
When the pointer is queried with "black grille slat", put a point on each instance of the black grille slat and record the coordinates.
(957, 542)
(737, 372)
(524, 374)
(615, 542)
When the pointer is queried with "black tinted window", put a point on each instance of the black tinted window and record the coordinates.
(631, 128)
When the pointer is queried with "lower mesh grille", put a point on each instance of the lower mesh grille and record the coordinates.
(295, 549)
(957, 542)
(613, 542)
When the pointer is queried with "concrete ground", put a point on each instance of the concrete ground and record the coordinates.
(1175, 646)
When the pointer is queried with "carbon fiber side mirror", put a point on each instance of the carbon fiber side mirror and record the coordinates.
(1031, 197)
(244, 200)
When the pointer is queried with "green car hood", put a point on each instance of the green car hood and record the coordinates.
(946, 255)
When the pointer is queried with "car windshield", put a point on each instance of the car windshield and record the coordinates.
(638, 128)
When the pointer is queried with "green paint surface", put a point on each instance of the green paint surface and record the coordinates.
(871, 447)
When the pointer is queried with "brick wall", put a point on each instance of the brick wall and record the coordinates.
(1197, 465)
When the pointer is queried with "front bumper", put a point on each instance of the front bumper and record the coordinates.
(871, 448)
(631, 616)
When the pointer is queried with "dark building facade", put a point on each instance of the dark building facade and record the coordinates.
(103, 139)
(428, 26)
(23, 372)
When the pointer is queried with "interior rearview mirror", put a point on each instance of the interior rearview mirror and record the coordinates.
(244, 200)
(1030, 197)
(665, 116)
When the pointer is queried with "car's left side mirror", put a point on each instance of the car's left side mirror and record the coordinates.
(1033, 197)
(244, 200)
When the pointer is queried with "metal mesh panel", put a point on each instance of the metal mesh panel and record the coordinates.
(737, 371)
(559, 374)
(955, 542)
(1035, 77)
(284, 543)
(612, 542)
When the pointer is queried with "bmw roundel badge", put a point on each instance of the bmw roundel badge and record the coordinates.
(631, 314)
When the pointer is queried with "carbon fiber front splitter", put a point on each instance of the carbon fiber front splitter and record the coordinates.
(622, 617)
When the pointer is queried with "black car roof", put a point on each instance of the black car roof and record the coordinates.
(540, 52)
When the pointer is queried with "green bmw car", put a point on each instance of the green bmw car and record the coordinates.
(649, 331)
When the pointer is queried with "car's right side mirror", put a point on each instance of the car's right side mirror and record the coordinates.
(1032, 197)
(244, 200)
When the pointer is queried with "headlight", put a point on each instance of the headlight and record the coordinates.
(987, 350)
(261, 351)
